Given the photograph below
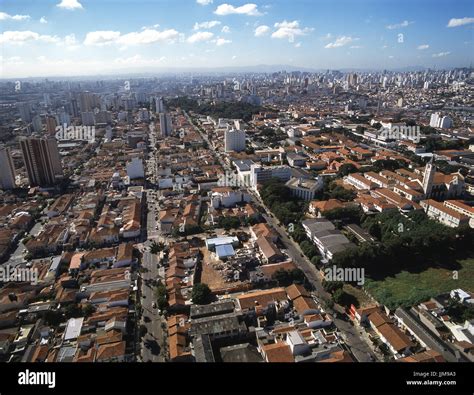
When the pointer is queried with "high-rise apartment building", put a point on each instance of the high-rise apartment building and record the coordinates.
(234, 140)
(7, 169)
(42, 161)
(25, 111)
(165, 124)
(51, 125)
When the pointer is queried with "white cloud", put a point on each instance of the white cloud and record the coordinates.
(423, 46)
(69, 4)
(11, 61)
(246, 9)
(70, 40)
(261, 30)
(440, 54)
(355, 47)
(455, 22)
(398, 25)
(200, 36)
(4, 17)
(206, 25)
(20, 37)
(234, 57)
(327, 36)
(297, 45)
(204, 2)
(101, 37)
(222, 41)
(341, 41)
(147, 36)
(289, 30)
(225, 29)
(43, 20)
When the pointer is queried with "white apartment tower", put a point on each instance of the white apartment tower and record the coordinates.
(437, 121)
(234, 140)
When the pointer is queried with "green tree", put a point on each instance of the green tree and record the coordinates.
(161, 297)
(282, 277)
(332, 286)
(201, 294)
(142, 331)
(88, 310)
(297, 276)
(309, 249)
(346, 169)
(316, 260)
(155, 247)
(73, 311)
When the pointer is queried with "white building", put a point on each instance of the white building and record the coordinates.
(135, 168)
(260, 174)
(437, 121)
(234, 140)
(227, 197)
(441, 213)
(305, 188)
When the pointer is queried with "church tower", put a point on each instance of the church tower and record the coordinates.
(428, 178)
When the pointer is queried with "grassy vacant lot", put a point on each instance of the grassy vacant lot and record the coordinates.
(362, 300)
(406, 289)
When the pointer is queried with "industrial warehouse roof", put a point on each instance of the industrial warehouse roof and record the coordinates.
(220, 241)
(225, 250)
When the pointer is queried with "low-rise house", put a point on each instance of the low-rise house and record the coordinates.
(270, 252)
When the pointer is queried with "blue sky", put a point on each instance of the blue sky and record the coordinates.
(80, 37)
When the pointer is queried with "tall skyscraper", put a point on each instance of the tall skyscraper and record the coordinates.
(352, 79)
(25, 111)
(234, 140)
(74, 109)
(42, 160)
(37, 125)
(165, 124)
(88, 101)
(7, 170)
(88, 118)
(159, 105)
(51, 125)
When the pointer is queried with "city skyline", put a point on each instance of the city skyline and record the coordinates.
(80, 38)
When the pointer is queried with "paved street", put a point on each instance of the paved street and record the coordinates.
(153, 343)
